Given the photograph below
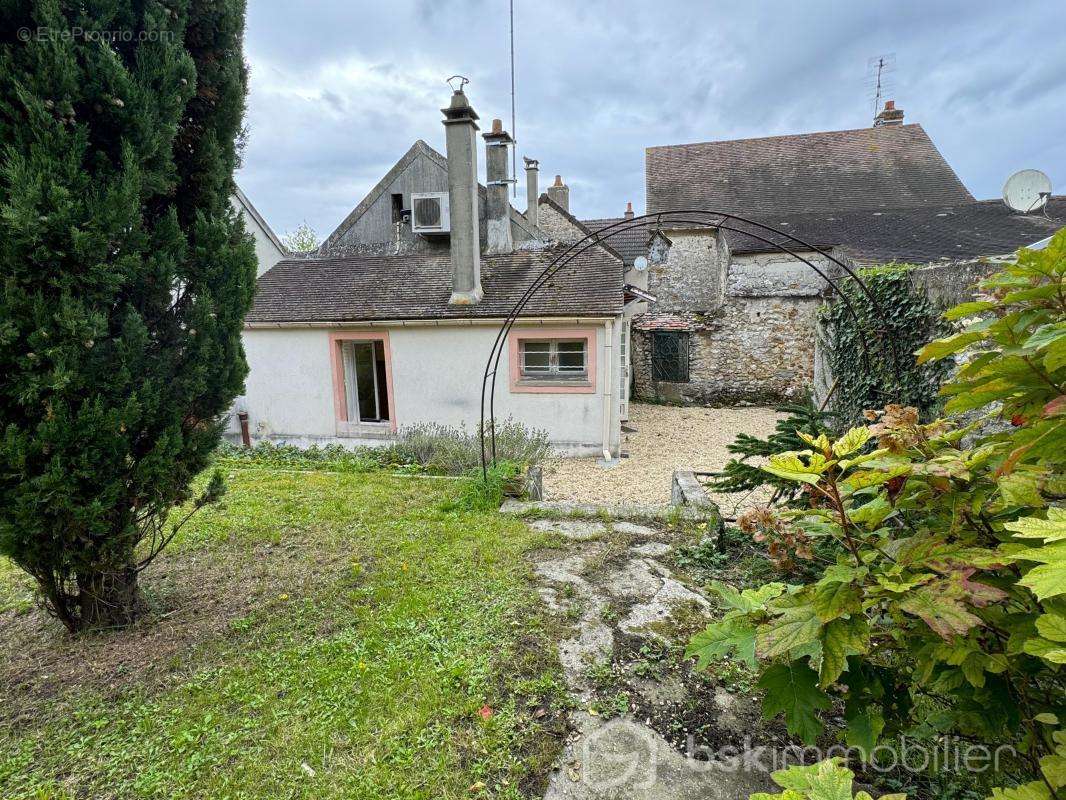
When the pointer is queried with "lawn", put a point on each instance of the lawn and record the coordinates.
(317, 634)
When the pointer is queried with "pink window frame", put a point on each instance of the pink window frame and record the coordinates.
(520, 385)
(340, 405)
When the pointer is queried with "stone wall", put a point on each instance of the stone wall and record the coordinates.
(757, 350)
(556, 226)
(751, 326)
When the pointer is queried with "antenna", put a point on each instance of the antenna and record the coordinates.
(514, 126)
(1027, 190)
(879, 70)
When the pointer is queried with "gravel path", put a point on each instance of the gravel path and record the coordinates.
(667, 437)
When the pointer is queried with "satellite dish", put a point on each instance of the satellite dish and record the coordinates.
(640, 263)
(1027, 190)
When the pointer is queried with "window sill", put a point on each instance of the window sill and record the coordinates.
(548, 385)
(365, 430)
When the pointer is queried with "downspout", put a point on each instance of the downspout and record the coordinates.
(608, 386)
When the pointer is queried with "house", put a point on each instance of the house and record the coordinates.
(269, 249)
(735, 318)
(390, 324)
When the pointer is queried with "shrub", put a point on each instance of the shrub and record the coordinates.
(867, 376)
(946, 606)
(125, 275)
(457, 451)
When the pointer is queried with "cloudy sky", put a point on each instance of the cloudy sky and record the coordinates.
(341, 88)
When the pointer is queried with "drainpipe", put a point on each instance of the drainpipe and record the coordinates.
(608, 386)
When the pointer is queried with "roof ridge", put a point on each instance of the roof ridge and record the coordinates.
(785, 136)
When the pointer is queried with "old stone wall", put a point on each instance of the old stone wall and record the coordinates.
(691, 277)
(751, 326)
(757, 350)
(556, 226)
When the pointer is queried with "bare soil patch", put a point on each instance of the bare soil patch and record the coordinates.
(195, 598)
(667, 438)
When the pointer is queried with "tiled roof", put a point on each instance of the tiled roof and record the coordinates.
(892, 166)
(418, 285)
(920, 235)
(663, 322)
(629, 242)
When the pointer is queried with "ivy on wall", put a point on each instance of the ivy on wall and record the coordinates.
(908, 321)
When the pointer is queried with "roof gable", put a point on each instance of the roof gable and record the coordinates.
(891, 166)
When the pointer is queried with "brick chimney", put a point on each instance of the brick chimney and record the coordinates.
(460, 129)
(498, 214)
(532, 190)
(629, 211)
(890, 115)
(559, 193)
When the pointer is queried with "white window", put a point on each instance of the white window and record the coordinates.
(554, 359)
(365, 386)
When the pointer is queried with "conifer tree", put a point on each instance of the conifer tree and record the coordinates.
(125, 275)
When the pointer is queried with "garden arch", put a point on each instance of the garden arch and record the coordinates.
(692, 218)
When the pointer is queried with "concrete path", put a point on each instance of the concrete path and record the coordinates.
(613, 582)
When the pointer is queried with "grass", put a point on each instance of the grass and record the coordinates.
(353, 635)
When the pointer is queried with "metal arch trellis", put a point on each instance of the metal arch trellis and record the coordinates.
(714, 220)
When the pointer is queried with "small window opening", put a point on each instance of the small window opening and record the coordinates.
(669, 356)
(365, 387)
(397, 207)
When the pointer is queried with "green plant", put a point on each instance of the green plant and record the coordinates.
(949, 590)
(826, 780)
(125, 275)
(871, 358)
(456, 451)
(741, 475)
(485, 492)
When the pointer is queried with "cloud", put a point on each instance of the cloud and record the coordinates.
(339, 91)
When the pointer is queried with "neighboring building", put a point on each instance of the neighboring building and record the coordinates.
(269, 249)
(735, 318)
(391, 323)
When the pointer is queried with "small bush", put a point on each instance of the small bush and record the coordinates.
(456, 451)
(485, 492)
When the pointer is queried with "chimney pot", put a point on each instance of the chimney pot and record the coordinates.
(890, 115)
(889, 105)
(497, 126)
(559, 193)
(629, 211)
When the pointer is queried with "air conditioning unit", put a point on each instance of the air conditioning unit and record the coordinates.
(429, 213)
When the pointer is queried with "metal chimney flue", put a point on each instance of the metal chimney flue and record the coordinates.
(532, 190)
(460, 128)
(498, 214)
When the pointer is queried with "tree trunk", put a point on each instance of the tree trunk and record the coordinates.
(109, 599)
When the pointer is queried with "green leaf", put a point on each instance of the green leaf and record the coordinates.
(792, 468)
(1045, 335)
(796, 627)
(841, 638)
(1054, 768)
(942, 348)
(1051, 529)
(1047, 580)
(864, 729)
(963, 310)
(826, 780)
(851, 441)
(946, 615)
(748, 600)
(719, 639)
(1021, 488)
(1052, 626)
(792, 690)
(1035, 790)
(872, 514)
(1049, 651)
(834, 600)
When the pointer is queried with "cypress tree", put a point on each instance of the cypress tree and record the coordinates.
(125, 274)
